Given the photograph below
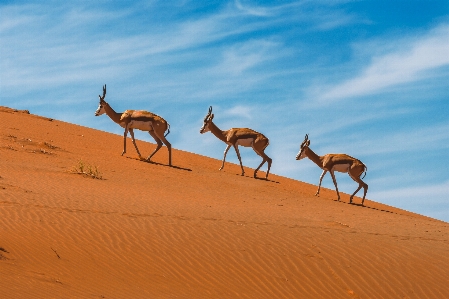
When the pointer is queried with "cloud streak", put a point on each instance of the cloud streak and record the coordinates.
(422, 198)
(407, 63)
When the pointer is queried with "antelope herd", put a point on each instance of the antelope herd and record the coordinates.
(156, 126)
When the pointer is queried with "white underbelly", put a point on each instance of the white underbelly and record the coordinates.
(341, 167)
(248, 142)
(140, 125)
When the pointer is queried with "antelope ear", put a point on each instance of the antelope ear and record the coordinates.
(308, 142)
(212, 117)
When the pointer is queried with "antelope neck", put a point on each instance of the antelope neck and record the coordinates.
(217, 132)
(314, 157)
(111, 113)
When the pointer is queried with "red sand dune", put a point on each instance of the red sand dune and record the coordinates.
(147, 230)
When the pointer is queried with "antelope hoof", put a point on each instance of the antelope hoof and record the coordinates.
(123, 153)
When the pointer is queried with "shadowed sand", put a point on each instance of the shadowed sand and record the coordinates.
(147, 230)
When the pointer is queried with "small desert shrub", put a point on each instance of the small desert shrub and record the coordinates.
(2, 257)
(49, 145)
(87, 170)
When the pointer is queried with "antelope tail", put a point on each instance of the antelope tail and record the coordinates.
(268, 143)
(168, 130)
(366, 169)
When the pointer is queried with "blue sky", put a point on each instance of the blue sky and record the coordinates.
(366, 78)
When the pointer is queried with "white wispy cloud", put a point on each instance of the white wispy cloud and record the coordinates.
(240, 111)
(431, 137)
(252, 10)
(423, 198)
(55, 53)
(249, 54)
(408, 62)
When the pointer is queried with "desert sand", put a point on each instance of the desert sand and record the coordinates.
(147, 230)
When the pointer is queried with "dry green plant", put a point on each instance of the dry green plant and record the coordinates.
(87, 170)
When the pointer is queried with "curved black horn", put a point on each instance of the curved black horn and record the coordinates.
(208, 113)
(104, 93)
(307, 137)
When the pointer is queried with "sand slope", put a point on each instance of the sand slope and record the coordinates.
(147, 230)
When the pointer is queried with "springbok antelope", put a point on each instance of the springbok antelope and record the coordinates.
(138, 119)
(335, 162)
(238, 136)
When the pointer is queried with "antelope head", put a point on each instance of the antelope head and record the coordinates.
(100, 109)
(305, 144)
(207, 121)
